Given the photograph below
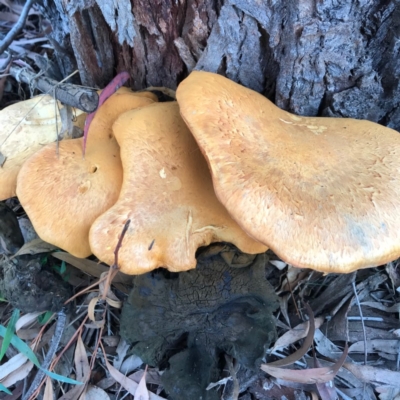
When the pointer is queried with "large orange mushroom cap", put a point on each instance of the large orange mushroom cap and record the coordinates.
(63, 194)
(323, 193)
(167, 194)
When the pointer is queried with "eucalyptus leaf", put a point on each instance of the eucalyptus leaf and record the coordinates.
(4, 389)
(23, 348)
(9, 333)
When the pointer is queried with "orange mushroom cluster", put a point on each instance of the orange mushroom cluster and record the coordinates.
(221, 164)
(166, 191)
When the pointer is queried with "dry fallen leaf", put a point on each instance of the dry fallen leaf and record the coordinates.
(36, 246)
(130, 364)
(125, 382)
(91, 267)
(122, 349)
(326, 390)
(388, 393)
(302, 350)
(376, 346)
(324, 346)
(82, 369)
(312, 375)
(141, 392)
(15, 369)
(298, 332)
(48, 390)
(153, 376)
(309, 376)
(370, 374)
(27, 320)
(91, 313)
(110, 298)
(95, 393)
(395, 308)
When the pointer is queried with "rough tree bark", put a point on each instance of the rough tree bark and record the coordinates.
(311, 57)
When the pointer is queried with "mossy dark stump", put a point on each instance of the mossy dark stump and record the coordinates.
(187, 321)
(31, 287)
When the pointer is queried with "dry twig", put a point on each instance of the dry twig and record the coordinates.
(73, 95)
(114, 268)
(17, 27)
(49, 356)
(362, 323)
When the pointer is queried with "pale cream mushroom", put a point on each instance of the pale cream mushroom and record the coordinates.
(26, 127)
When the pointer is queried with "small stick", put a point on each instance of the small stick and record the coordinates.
(57, 359)
(17, 27)
(114, 268)
(76, 96)
(99, 337)
(55, 341)
(233, 367)
(83, 291)
(362, 323)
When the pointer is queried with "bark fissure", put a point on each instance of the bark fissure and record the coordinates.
(332, 58)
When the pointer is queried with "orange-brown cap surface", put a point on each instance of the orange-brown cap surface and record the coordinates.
(323, 193)
(26, 127)
(167, 194)
(64, 194)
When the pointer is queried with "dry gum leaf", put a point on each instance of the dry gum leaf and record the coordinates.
(124, 381)
(91, 267)
(370, 374)
(326, 390)
(130, 364)
(27, 320)
(91, 313)
(141, 392)
(17, 374)
(48, 390)
(395, 308)
(82, 369)
(95, 393)
(295, 334)
(152, 376)
(35, 246)
(312, 375)
(376, 346)
(302, 350)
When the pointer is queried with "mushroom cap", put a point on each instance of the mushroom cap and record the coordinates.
(144, 93)
(121, 101)
(167, 194)
(323, 193)
(27, 126)
(64, 194)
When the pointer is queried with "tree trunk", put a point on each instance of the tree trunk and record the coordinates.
(311, 57)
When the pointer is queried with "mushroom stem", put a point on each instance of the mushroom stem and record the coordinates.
(109, 90)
